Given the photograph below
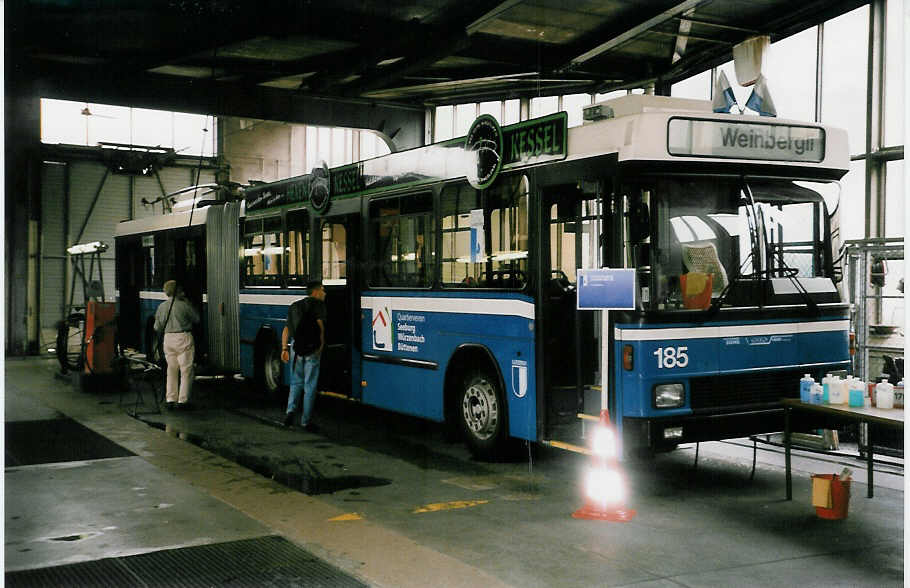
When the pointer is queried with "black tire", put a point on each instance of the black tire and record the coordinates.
(70, 335)
(482, 416)
(268, 366)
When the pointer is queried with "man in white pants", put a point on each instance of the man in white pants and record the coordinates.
(176, 317)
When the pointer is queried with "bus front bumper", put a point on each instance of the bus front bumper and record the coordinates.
(665, 433)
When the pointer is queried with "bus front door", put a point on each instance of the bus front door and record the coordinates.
(570, 234)
(339, 254)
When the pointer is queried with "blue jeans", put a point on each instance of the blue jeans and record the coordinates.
(304, 376)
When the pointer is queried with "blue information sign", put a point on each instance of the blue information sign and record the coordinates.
(606, 289)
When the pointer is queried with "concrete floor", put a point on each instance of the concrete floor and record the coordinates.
(394, 502)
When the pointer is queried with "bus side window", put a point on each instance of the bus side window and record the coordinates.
(485, 240)
(403, 245)
(298, 248)
(334, 253)
(456, 203)
(263, 251)
(273, 250)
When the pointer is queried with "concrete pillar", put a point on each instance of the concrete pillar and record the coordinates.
(875, 98)
(23, 197)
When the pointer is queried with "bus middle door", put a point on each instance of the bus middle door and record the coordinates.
(339, 368)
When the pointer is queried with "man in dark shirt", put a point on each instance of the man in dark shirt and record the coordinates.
(305, 368)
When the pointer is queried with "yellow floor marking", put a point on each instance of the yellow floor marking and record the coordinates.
(476, 483)
(335, 395)
(348, 516)
(567, 447)
(437, 506)
(516, 496)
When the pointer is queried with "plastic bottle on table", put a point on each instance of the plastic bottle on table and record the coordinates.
(899, 395)
(826, 389)
(857, 393)
(884, 394)
(835, 390)
(816, 394)
(848, 382)
(805, 388)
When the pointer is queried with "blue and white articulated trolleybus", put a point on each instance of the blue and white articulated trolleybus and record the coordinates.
(453, 274)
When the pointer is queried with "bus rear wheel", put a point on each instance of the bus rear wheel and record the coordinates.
(268, 367)
(482, 415)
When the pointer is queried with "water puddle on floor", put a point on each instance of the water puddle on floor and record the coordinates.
(56, 441)
(74, 537)
(297, 474)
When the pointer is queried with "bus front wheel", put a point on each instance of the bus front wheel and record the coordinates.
(482, 416)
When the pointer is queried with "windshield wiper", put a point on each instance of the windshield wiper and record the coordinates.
(792, 274)
(717, 302)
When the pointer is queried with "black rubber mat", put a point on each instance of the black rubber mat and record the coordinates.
(264, 561)
(57, 440)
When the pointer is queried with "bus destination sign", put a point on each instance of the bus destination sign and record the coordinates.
(745, 140)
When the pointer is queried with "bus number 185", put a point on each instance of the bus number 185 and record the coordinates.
(672, 357)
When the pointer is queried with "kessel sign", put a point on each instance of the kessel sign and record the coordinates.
(495, 149)
(319, 188)
(312, 188)
(484, 141)
(481, 155)
(535, 141)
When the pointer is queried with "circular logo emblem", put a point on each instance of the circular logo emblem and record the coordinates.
(484, 142)
(319, 189)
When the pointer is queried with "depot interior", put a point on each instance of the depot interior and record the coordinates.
(110, 109)
(260, 99)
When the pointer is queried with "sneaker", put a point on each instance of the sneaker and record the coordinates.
(310, 428)
(184, 406)
(171, 405)
(288, 419)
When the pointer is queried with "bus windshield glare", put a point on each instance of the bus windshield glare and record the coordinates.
(724, 230)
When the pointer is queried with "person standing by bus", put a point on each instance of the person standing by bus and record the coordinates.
(176, 317)
(305, 333)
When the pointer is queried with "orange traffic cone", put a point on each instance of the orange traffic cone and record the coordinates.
(605, 485)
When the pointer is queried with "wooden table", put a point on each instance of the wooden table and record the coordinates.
(827, 413)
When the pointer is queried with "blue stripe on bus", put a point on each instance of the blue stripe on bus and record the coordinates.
(469, 293)
(734, 323)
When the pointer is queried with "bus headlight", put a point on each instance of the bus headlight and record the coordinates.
(669, 395)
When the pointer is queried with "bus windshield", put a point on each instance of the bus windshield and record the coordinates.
(699, 233)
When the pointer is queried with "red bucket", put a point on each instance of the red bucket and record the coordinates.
(840, 498)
